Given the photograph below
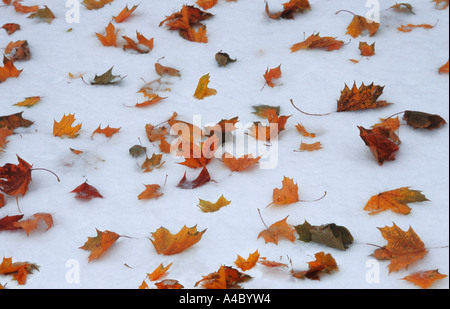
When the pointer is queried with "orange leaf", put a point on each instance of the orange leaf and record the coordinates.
(142, 40)
(272, 74)
(17, 50)
(291, 7)
(19, 270)
(23, 8)
(14, 121)
(324, 263)
(110, 39)
(150, 192)
(86, 192)
(271, 264)
(382, 148)
(8, 70)
(360, 24)
(425, 279)
(394, 200)
(301, 129)
(162, 70)
(64, 127)
(206, 4)
(100, 244)
(246, 264)
(278, 229)
(155, 134)
(152, 163)
(441, 6)
(199, 156)
(124, 14)
(155, 99)
(4, 133)
(169, 244)
(30, 101)
(402, 249)
(14, 179)
(158, 272)
(410, 27)
(95, 4)
(198, 36)
(237, 165)
(225, 278)
(310, 147)
(169, 284)
(364, 97)
(366, 49)
(202, 90)
(315, 41)
(444, 69)
(31, 224)
(11, 28)
(288, 194)
(108, 131)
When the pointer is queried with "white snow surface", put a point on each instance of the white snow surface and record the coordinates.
(405, 63)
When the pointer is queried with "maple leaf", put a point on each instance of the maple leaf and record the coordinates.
(271, 264)
(23, 8)
(403, 248)
(249, 263)
(403, 7)
(425, 279)
(410, 27)
(169, 284)
(11, 28)
(291, 7)
(110, 38)
(272, 74)
(150, 192)
(17, 50)
(19, 270)
(64, 127)
(288, 194)
(8, 223)
(206, 206)
(155, 134)
(4, 133)
(199, 156)
(324, 263)
(202, 178)
(163, 70)
(158, 272)
(169, 244)
(202, 90)
(310, 147)
(108, 131)
(264, 111)
(124, 14)
(441, 4)
(107, 78)
(147, 44)
(95, 4)
(15, 178)
(394, 200)
(366, 49)
(240, 164)
(185, 18)
(86, 192)
(382, 148)
(359, 24)
(315, 41)
(8, 70)
(14, 121)
(45, 15)
(278, 229)
(331, 235)
(152, 163)
(31, 224)
(225, 278)
(99, 244)
(206, 4)
(301, 129)
(29, 101)
(387, 128)
(364, 97)
(444, 69)
(423, 120)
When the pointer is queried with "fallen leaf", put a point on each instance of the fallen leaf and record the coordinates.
(359, 24)
(403, 248)
(95, 4)
(289, 8)
(158, 272)
(107, 78)
(153, 100)
(187, 17)
(29, 101)
(75, 151)
(169, 284)
(331, 235)
(202, 90)
(86, 192)
(8, 223)
(366, 49)
(19, 270)
(324, 263)
(240, 164)
(388, 128)
(278, 229)
(206, 206)
(301, 129)
(403, 7)
(423, 120)
(23, 8)
(445, 68)
(364, 97)
(410, 27)
(271, 264)
(272, 74)
(206, 4)
(15, 178)
(45, 15)
(124, 14)
(31, 224)
(202, 178)
(264, 111)
(288, 194)
(100, 244)
(14, 121)
(310, 147)
(223, 59)
(108, 131)
(163, 70)
(8, 70)
(143, 45)
(441, 4)
(169, 244)
(315, 41)
(4, 133)
(11, 28)
(150, 192)
(137, 151)
(199, 156)
(394, 200)
(110, 38)
(425, 279)
(225, 278)
(151, 163)
(17, 50)
(249, 263)
(382, 148)
(64, 127)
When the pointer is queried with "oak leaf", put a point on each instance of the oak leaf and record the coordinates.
(95, 4)
(278, 229)
(364, 97)
(108, 131)
(206, 206)
(381, 147)
(425, 279)
(403, 248)
(315, 41)
(394, 200)
(289, 8)
(249, 263)
(324, 263)
(99, 244)
(110, 38)
(202, 90)
(64, 127)
(225, 278)
(239, 164)
(19, 270)
(8, 70)
(169, 244)
(423, 120)
(15, 178)
(86, 192)
(124, 14)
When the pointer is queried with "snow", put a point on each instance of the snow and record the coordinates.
(405, 63)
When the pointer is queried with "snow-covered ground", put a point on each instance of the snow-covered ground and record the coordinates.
(405, 63)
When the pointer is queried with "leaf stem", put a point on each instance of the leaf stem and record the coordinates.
(292, 102)
(325, 194)
(44, 169)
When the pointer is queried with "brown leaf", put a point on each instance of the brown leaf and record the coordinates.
(291, 7)
(423, 120)
(324, 263)
(364, 97)
(202, 178)
(382, 148)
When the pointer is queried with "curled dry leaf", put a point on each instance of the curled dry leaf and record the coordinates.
(108, 131)
(359, 24)
(143, 45)
(150, 192)
(288, 194)
(272, 74)
(206, 4)
(169, 284)
(240, 164)
(18, 270)
(403, 7)
(225, 278)
(364, 97)
(264, 111)
(441, 4)
(99, 244)
(158, 272)
(28, 102)
(15, 178)
(421, 120)
(110, 38)
(382, 148)
(366, 49)
(151, 163)
(315, 41)
(43, 14)
(278, 229)
(25, 9)
(107, 78)
(124, 14)
(31, 224)
(410, 27)
(310, 147)
(14, 121)
(163, 70)
(202, 90)
(202, 179)
(11, 28)
(17, 50)
(168, 244)
(331, 235)
(4, 133)
(223, 59)
(301, 129)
